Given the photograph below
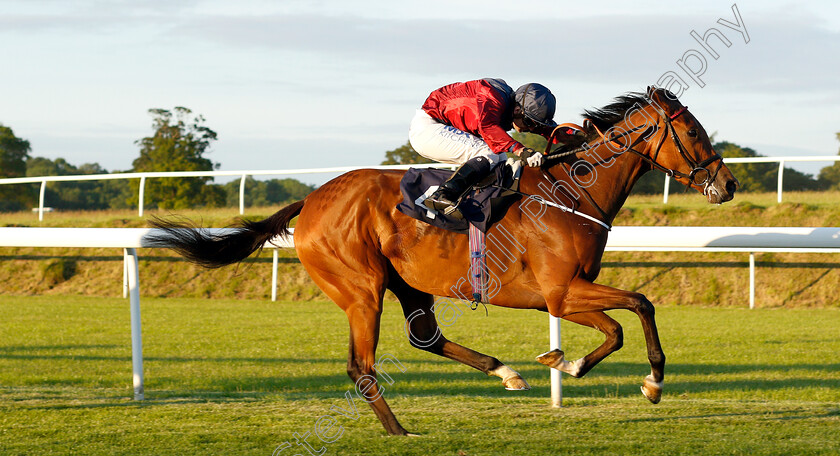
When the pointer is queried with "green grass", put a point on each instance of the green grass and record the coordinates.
(243, 376)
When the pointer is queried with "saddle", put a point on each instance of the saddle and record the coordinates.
(484, 204)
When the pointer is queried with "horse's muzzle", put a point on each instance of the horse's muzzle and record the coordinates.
(723, 188)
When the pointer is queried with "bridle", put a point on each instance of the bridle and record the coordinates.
(700, 175)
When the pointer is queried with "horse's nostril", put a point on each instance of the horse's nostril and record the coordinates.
(731, 186)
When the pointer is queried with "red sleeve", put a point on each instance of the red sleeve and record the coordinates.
(490, 111)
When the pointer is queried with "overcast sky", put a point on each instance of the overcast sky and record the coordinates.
(294, 84)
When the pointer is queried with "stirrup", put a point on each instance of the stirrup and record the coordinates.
(444, 206)
(453, 211)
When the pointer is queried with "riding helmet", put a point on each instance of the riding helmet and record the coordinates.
(537, 102)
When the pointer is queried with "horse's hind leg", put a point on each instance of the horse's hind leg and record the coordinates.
(364, 336)
(359, 292)
(598, 320)
(424, 333)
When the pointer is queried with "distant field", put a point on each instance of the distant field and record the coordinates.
(683, 208)
(243, 376)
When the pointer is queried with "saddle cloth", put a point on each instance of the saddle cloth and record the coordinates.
(482, 206)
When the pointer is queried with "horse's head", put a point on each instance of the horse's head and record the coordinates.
(681, 148)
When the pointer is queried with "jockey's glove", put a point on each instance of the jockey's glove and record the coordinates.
(531, 157)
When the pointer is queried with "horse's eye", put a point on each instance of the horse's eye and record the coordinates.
(692, 133)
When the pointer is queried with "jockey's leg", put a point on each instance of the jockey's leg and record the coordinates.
(446, 197)
(443, 143)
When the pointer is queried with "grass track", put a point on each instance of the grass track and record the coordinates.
(242, 376)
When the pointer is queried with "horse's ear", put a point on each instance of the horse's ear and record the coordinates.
(587, 125)
(650, 90)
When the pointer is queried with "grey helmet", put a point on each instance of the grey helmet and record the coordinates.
(538, 103)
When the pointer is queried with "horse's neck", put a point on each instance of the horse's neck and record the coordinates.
(614, 183)
(608, 187)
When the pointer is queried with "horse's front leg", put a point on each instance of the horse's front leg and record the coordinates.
(583, 296)
(597, 320)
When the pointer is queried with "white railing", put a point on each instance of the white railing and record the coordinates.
(340, 169)
(780, 160)
(128, 239)
(151, 175)
(622, 238)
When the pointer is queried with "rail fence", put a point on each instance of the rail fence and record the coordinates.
(289, 172)
(622, 238)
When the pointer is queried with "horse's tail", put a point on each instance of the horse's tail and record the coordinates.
(217, 250)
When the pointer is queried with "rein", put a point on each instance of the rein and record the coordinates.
(699, 174)
(563, 208)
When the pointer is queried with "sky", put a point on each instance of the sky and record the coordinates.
(303, 84)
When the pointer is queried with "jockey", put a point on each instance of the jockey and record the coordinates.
(466, 123)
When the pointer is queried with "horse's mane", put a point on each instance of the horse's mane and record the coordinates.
(609, 115)
(605, 117)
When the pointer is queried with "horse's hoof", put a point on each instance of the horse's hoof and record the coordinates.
(553, 359)
(556, 359)
(516, 384)
(510, 378)
(652, 390)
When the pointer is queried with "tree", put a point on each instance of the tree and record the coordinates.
(267, 193)
(82, 195)
(754, 177)
(762, 177)
(13, 154)
(829, 176)
(404, 155)
(178, 144)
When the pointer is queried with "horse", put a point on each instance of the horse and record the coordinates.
(355, 244)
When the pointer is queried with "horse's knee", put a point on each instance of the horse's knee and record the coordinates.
(642, 305)
(353, 371)
(356, 371)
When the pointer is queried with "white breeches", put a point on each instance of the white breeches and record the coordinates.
(446, 144)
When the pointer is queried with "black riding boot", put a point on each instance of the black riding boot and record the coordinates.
(470, 173)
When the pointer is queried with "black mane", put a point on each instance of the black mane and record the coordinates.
(609, 115)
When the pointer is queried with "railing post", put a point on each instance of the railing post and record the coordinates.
(142, 194)
(667, 188)
(274, 276)
(752, 280)
(130, 258)
(781, 173)
(242, 195)
(41, 201)
(556, 379)
(125, 278)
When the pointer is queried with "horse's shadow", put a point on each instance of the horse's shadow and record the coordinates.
(422, 378)
(613, 380)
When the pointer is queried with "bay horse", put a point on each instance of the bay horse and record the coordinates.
(355, 244)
